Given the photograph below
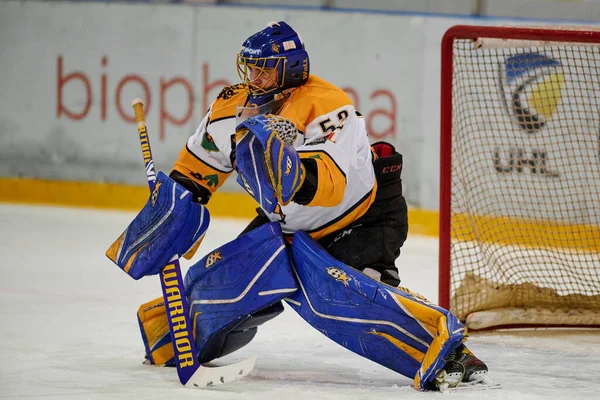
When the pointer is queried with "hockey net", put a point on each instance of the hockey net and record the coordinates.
(520, 176)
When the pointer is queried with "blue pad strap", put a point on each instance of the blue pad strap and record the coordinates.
(391, 326)
(242, 277)
(170, 224)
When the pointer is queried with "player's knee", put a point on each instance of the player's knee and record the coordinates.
(238, 334)
(387, 275)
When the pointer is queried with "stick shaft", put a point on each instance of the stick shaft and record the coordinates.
(170, 277)
(140, 118)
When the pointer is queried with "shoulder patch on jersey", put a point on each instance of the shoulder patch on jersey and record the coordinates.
(230, 91)
(208, 143)
(226, 102)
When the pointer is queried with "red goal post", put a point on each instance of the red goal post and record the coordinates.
(520, 176)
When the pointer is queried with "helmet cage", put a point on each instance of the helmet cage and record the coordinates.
(262, 65)
(277, 47)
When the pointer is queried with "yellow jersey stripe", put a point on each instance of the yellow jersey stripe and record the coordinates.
(199, 171)
(351, 215)
(331, 179)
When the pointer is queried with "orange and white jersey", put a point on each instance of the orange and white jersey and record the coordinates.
(331, 131)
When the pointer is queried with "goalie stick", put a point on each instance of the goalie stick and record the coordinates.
(191, 373)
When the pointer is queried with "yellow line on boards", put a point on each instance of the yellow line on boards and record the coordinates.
(498, 230)
(115, 196)
(108, 196)
(526, 233)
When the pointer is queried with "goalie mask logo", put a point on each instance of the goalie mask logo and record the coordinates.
(339, 275)
(531, 84)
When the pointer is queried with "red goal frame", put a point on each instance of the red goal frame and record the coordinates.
(550, 34)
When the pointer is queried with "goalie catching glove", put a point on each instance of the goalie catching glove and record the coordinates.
(171, 224)
(269, 168)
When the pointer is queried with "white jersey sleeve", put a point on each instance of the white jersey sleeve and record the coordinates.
(206, 157)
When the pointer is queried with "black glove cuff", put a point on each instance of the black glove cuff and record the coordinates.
(201, 194)
(307, 191)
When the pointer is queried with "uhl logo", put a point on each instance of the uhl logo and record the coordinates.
(518, 162)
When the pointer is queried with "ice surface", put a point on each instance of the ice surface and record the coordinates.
(68, 329)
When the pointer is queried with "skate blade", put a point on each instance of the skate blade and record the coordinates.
(479, 381)
(446, 381)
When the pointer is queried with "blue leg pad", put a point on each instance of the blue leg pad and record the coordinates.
(230, 287)
(391, 326)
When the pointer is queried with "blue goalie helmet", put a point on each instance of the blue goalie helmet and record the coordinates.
(271, 61)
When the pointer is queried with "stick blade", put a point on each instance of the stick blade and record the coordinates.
(214, 376)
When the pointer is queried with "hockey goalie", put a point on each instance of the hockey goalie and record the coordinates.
(330, 225)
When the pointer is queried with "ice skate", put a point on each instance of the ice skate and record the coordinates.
(464, 371)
